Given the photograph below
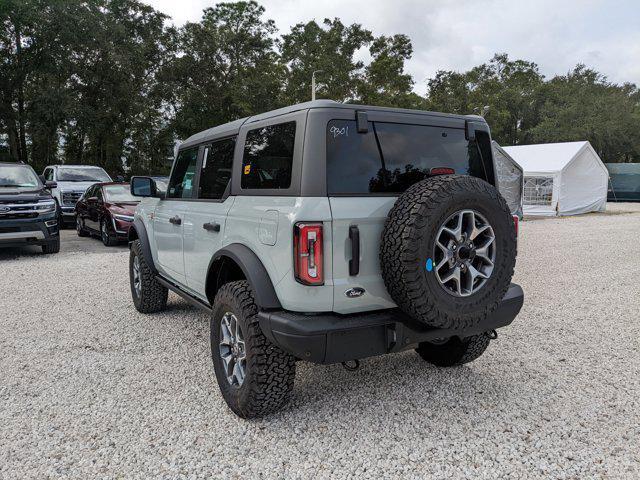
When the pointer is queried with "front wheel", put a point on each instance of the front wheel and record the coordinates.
(148, 294)
(454, 351)
(106, 236)
(51, 247)
(255, 377)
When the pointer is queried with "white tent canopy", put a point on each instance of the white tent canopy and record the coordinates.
(561, 178)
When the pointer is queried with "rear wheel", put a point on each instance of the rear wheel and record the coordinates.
(80, 228)
(255, 377)
(454, 351)
(148, 294)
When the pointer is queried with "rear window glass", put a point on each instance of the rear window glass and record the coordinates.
(391, 157)
(268, 157)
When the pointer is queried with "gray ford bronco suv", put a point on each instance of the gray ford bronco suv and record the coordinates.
(329, 233)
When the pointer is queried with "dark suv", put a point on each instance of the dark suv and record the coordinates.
(27, 209)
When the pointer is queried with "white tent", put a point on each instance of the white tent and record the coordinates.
(561, 178)
(510, 176)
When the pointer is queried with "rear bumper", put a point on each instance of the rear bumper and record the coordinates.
(333, 338)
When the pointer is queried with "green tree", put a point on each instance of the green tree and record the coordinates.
(330, 48)
(509, 88)
(583, 105)
(113, 82)
(34, 37)
(227, 68)
(384, 82)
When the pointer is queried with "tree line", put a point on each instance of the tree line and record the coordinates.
(113, 83)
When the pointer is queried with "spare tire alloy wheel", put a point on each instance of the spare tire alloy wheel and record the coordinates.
(448, 251)
(232, 349)
(464, 253)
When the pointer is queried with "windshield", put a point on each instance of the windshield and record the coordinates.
(161, 183)
(18, 176)
(119, 193)
(82, 174)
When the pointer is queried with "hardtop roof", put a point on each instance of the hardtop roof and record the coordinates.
(232, 128)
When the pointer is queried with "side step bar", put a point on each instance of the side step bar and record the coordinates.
(196, 302)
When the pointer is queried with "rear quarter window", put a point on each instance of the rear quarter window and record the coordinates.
(268, 157)
(391, 157)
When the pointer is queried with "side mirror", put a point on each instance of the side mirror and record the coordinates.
(120, 179)
(143, 187)
(49, 185)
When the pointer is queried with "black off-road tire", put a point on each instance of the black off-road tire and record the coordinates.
(455, 351)
(59, 216)
(270, 372)
(153, 295)
(109, 240)
(51, 247)
(408, 240)
(80, 228)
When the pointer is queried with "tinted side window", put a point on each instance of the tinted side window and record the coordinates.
(183, 176)
(268, 157)
(216, 169)
(48, 174)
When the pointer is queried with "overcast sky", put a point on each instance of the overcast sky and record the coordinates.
(459, 34)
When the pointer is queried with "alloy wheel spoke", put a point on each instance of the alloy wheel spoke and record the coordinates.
(463, 237)
(238, 373)
(456, 232)
(454, 276)
(232, 349)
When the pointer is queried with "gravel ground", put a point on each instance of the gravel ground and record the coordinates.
(92, 389)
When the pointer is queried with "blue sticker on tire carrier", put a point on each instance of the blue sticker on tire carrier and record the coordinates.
(429, 265)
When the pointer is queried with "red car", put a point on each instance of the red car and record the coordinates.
(106, 209)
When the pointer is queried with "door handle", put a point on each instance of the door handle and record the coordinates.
(211, 226)
(175, 220)
(354, 263)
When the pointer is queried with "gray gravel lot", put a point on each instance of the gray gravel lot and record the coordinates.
(90, 388)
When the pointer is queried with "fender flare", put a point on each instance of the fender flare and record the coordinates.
(141, 232)
(254, 271)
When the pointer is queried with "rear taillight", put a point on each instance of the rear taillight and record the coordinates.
(516, 223)
(308, 255)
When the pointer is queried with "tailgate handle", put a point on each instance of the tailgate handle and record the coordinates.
(354, 263)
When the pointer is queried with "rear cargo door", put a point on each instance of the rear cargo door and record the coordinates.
(368, 166)
(365, 216)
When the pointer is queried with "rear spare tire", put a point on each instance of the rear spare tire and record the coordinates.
(448, 251)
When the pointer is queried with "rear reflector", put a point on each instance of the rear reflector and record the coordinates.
(516, 223)
(441, 171)
(308, 258)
